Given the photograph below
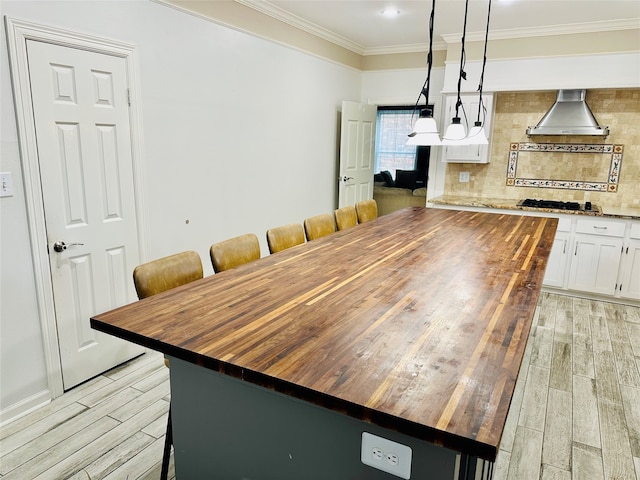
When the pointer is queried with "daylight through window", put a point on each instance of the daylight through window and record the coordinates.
(392, 153)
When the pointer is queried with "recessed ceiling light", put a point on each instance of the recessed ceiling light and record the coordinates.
(390, 12)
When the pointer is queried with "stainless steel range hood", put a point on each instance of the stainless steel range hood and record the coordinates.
(570, 115)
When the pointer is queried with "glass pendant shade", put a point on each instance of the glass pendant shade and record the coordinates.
(477, 135)
(455, 133)
(425, 131)
(425, 125)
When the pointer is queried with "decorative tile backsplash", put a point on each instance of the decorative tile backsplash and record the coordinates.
(619, 109)
(610, 176)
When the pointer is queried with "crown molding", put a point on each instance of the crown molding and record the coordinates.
(271, 10)
(413, 48)
(277, 13)
(592, 27)
(266, 8)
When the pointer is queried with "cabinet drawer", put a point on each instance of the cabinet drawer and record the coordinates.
(635, 231)
(564, 224)
(600, 227)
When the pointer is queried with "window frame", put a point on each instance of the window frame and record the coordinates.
(421, 153)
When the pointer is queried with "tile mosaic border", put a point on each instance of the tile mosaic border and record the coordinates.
(610, 185)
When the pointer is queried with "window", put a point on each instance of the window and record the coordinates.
(391, 152)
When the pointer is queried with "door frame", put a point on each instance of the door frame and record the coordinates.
(18, 33)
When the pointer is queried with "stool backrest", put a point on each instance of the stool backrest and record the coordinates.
(346, 217)
(285, 236)
(166, 273)
(234, 252)
(319, 226)
(367, 210)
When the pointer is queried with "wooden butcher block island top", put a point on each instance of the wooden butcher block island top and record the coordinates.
(416, 321)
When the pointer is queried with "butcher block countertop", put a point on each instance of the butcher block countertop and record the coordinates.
(416, 321)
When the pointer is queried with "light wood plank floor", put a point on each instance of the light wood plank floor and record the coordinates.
(575, 413)
(576, 409)
(111, 427)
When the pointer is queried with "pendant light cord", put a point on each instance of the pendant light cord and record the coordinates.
(463, 74)
(484, 62)
(425, 86)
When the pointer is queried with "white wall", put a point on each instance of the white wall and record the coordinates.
(239, 135)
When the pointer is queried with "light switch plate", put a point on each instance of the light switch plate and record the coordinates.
(385, 455)
(6, 185)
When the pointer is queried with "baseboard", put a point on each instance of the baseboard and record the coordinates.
(591, 296)
(24, 407)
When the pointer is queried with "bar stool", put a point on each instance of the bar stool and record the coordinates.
(367, 210)
(319, 226)
(346, 217)
(155, 277)
(285, 236)
(234, 252)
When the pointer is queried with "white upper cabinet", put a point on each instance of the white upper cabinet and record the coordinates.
(468, 153)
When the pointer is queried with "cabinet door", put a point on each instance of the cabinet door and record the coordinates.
(557, 263)
(630, 264)
(594, 267)
(468, 153)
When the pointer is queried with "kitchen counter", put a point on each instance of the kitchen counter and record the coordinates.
(411, 327)
(632, 213)
(512, 204)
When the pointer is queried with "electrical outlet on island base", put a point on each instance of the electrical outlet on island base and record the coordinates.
(386, 455)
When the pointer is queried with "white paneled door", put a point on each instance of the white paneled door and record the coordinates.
(357, 144)
(80, 107)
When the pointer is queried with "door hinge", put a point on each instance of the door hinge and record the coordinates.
(129, 96)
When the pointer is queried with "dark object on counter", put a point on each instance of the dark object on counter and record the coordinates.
(587, 206)
(553, 204)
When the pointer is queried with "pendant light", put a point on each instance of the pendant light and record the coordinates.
(425, 130)
(456, 132)
(477, 134)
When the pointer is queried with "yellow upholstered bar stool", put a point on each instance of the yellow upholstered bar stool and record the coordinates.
(285, 236)
(346, 217)
(367, 210)
(234, 252)
(166, 273)
(319, 226)
(155, 277)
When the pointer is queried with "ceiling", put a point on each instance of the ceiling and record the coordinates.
(360, 26)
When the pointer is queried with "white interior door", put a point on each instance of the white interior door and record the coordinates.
(357, 144)
(80, 107)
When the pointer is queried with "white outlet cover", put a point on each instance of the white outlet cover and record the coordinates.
(395, 458)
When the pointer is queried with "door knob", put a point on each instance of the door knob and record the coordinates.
(60, 246)
(346, 179)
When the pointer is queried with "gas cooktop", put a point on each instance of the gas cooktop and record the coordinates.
(554, 204)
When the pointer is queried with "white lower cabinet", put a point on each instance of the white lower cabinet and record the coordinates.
(596, 255)
(594, 267)
(630, 265)
(556, 271)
